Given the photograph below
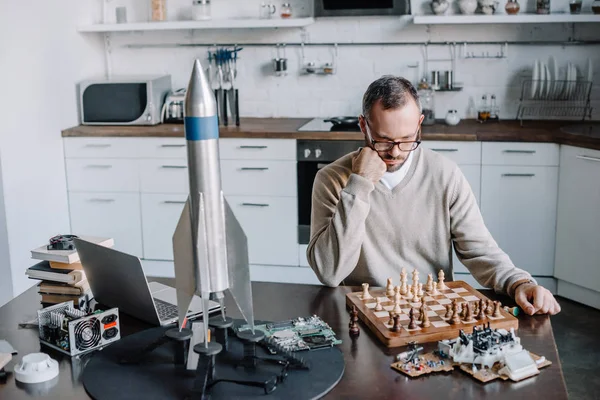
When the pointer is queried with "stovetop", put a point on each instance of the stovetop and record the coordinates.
(319, 125)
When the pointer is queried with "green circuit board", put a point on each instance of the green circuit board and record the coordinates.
(299, 334)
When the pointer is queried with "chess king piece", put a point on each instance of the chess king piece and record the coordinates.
(365, 294)
(441, 285)
(390, 288)
(403, 275)
(404, 287)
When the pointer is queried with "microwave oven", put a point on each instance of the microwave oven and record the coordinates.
(353, 8)
(122, 100)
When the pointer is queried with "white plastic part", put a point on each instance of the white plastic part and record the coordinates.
(36, 368)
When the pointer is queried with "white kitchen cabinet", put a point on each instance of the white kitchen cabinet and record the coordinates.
(259, 178)
(467, 155)
(271, 227)
(578, 223)
(518, 205)
(102, 175)
(160, 214)
(115, 215)
(164, 175)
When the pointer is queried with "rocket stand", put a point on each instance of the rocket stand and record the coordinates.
(221, 326)
(181, 340)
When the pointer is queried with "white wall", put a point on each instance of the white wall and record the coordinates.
(42, 58)
(264, 95)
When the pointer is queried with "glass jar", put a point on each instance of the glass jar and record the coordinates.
(543, 6)
(512, 7)
(201, 10)
(427, 105)
(286, 10)
(158, 10)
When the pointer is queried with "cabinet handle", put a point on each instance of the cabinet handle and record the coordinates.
(255, 204)
(174, 166)
(582, 157)
(172, 145)
(448, 150)
(97, 145)
(174, 202)
(102, 200)
(253, 147)
(520, 175)
(254, 168)
(97, 166)
(520, 151)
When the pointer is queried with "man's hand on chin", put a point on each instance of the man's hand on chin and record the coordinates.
(535, 299)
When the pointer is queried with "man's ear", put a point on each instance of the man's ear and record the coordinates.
(363, 127)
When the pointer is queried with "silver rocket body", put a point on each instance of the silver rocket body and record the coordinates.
(209, 246)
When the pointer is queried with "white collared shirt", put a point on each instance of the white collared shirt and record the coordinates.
(392, 179)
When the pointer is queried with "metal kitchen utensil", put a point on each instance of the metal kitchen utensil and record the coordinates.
(280, 63)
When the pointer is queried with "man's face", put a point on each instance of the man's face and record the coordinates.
(393, 125)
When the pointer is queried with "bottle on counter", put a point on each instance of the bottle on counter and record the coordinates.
(201, 10)
(426, 95)
(494, 110)
(483, 113)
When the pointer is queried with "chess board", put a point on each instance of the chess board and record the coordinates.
(440, 329)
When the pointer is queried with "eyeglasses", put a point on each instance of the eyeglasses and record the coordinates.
(384, 146)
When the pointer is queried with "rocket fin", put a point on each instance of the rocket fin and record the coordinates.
(183, 254)
(238, 266)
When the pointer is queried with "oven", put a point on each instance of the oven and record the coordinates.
(353, 8)
(312, 155)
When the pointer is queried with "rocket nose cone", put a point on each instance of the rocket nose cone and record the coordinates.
(199, 98)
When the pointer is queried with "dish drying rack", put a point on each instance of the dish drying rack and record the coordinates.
(555, 100)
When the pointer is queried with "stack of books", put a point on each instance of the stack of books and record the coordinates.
(61, 274)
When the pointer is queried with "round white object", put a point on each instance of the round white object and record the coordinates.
(36, 368)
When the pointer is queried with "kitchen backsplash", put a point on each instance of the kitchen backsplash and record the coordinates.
(262, 94)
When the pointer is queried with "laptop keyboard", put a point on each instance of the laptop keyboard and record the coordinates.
(165, 310)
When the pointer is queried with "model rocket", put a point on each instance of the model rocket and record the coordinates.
(209, 246)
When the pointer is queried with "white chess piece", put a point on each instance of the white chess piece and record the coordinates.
(428, 285)
(365, 294)
(397, 298)
(378, 306)
(434, 291)
(420, 290)
(441, 285)
(390, 288)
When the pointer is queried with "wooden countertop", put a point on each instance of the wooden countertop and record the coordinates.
(287, 128)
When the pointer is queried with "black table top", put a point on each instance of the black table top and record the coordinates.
(368, 373)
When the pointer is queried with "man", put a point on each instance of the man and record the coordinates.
(393, 204)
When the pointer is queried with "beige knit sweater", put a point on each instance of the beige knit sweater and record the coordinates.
(361, 232)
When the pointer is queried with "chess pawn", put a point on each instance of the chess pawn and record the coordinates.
(390, 288)
(489, 310)
(463, 310)
(365, 293)
(429, 283)
(391, 320)
(481, 314)
(409, 293)
(420, 290)
(434, 291)
(469, 314)
(354, 329)
(397, 298)
(497, 306)
(441, 285)
(455, 320)
(378, 306)
(353, 316)
(416, 298)
(413, 322)
(425, 323)
(448, 311)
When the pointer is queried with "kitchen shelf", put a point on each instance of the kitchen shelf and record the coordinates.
(239, 23)
(504, 19)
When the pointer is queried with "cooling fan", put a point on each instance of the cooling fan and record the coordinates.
(74, 332)
(87, 334)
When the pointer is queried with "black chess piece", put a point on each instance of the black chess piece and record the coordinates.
(354, 329)
(397, 327)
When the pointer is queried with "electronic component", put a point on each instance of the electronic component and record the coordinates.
(61, 242)
(302, 333)
(74, 331)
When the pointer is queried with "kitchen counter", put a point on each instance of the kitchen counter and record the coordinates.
(287, 128)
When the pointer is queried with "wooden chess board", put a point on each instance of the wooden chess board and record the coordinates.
(440, 329)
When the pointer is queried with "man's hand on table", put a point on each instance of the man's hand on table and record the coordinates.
(535, 299)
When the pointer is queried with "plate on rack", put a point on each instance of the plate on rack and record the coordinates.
(568, 82)
(549, 83)
(556, 86)
(535, 79)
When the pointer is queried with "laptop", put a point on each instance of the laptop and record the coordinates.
(117, 279)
